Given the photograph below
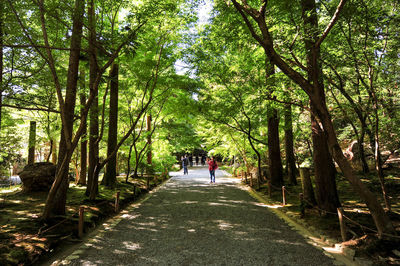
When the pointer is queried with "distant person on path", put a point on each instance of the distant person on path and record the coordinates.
(197, 160)
(212, 166)
(191, 160)
(203, 160)
(185, 163)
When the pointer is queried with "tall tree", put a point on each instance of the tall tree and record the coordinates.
(92, 187)
(265, 39)
(84, 142)
(325, 172)
(289, 146)
(274, 150)
(110, 176)
(57, 197)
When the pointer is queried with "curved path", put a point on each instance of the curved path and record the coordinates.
(189, 221)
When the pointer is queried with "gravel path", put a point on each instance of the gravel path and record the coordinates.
(191, 222)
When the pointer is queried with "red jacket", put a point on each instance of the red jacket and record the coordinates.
(212, 165)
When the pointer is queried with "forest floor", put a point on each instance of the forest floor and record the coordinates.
(24, 237)
(361, 231)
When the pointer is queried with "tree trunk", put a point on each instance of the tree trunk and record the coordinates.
(83, 170)
(361, 149)
(306, 184)
(50, 150)
(1, 59)
(110, 176)
(274, 150)
(56, 199)
(377, 152)
(148, 129)
(128, 171)
(325, 172)
(32, 142)
(92, 187)
(289, 150)
(54, 152)
(382, 221)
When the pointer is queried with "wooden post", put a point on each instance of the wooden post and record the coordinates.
(343, 230)
(117, 202)
(81, 221)
(269, 188)
(283, 196)
(302, 206)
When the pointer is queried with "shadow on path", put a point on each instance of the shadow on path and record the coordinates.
(191, 222)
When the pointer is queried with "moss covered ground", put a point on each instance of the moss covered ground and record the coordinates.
(24, 237)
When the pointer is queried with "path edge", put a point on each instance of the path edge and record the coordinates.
(342, 256)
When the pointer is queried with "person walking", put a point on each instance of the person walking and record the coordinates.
(191, 160)
(197, 160)
(185, 163)
(212, 166)
(203, 160)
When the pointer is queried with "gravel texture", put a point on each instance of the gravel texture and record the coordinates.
(189, 221)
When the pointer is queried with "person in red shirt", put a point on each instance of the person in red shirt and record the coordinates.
(212, 166)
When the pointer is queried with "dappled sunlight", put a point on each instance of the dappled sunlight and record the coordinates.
(130, 245)
(97, 245)
(15, 201)
(232, 201)
(286, 242)
(188, 220)
(33, 215)
(217, 204)
(130, 216)
(190, 202)
(358, 210)
(90, 263)
(334, 250)
(271, 206)
(119, 252)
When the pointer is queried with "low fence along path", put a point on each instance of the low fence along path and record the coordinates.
(189, 221)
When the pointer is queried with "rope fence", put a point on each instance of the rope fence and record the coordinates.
(340, 213)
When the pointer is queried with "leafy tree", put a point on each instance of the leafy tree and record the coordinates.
(312, 86)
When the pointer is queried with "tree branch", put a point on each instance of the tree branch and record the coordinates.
(331, 23)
